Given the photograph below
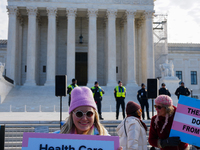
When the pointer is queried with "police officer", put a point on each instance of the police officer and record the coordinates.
(182, 90)
(70, 88)
(143, 100)
(98, 94)
(120, 94)
(164, 91)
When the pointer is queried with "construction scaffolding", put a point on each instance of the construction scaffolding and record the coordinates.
(160, 41)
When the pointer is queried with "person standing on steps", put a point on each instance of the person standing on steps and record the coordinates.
(98, 95)
(182, 90)
(143, 100)
(164, 91)
(120, 94)
(70, 88)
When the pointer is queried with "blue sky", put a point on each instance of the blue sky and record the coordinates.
(183, 19)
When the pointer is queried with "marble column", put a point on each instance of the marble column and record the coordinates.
(124, 50)
(149, 44)
(31, 47)
(131, 66)
(92, 47)
(139, 27)
(111, 14)
(71, 14)
(51, 46)
(19, 49)
(144, 50)
(11, 46)
(106, 48)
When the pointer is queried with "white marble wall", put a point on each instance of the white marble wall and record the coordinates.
(186, 59)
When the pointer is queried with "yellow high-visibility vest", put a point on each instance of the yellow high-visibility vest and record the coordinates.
(100, 91)
(121, 92)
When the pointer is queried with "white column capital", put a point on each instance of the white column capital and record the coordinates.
(130, 13)
(51, 11)
(92, 12)
(111, 13)
(32, 11)
(149, 14)
(71, 12)
(12, 10)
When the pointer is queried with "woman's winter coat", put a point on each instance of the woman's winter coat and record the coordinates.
(155, 134)
(135, 139)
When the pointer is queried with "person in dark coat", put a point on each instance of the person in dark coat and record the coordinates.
(143, 100)
(164, 91)
(182, 90)
(98, 96)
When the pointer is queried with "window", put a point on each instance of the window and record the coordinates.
(193, 77)
(179, 75)
(44, 69)
(25, 69)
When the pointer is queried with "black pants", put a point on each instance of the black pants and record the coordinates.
(69, 100)
(98, 102)
(144, 102)
(120, 101)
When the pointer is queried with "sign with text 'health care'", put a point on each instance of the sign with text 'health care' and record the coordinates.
(186, 122)
(46, 141)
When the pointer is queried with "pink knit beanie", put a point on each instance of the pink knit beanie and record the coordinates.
(164, 100)
(81, 96)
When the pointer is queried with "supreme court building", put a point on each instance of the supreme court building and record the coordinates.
(103, 40)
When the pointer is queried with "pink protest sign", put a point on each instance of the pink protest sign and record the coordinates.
(46, 141)
(186, 122)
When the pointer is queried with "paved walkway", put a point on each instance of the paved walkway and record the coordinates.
(46, 116)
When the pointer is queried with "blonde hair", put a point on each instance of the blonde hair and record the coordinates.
(66, 128)
(169, 113)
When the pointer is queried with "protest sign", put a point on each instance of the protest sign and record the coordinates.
(45, 141)
(186, 122)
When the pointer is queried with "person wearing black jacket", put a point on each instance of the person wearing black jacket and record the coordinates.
(98, 95)
(164, 91)
(143, 100)
(70, 88)
(182, 90)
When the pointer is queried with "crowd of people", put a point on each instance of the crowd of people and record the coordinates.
(120, 95)
(84, 119)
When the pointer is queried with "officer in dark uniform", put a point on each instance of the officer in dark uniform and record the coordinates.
(70, 88)
(164, 91)
(98, 94)
(143, 100)
(182, 90)
(120, 94)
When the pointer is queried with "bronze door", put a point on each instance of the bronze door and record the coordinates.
(81, 68)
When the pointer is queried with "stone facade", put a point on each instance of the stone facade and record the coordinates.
(44, 41)
(186, 58)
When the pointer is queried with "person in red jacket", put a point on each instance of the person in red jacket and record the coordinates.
(161, 125)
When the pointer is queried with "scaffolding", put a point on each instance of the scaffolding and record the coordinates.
(160, 41)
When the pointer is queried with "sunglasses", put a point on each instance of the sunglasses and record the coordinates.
(79, 114)
(158, 107)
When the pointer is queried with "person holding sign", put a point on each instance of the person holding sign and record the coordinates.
(161, 125)
(132, 131)
(83, 117)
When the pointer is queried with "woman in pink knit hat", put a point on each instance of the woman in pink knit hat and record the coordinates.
(83, 117)
(161, 125)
